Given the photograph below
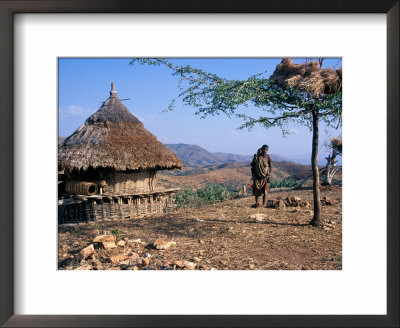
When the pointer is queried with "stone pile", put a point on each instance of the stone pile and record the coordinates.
(289, 201)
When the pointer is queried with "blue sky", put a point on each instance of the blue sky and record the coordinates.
(85, 82)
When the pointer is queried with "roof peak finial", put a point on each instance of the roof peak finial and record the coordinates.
(113, 93)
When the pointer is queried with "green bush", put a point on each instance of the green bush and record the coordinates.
(209, 195)
(116, 232)
(287, 182)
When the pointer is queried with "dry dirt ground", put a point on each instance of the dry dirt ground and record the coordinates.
(224, 236)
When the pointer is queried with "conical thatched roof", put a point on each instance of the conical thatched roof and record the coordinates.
(308, 77)
(114, 138)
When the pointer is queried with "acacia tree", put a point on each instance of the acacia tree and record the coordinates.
(280, 106)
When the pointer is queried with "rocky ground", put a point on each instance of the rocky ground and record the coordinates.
(227, 236)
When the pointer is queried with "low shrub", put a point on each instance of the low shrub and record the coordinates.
(116, 232)
(196, 198)
(287, 182)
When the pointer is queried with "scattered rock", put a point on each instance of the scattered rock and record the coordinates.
(196, 259)
(135, 268)
(162, 244)
(201, 241)
(203, 267)
(114, 259)
(102, 238)
(305, 203)
(132, 255)
(276, 203)
(95, 260)
(121, 243)
(223, 262)
(109, 244)
(257, 217)
(279, 204)
(85, 253)
(84, 267)
(198, 220)
(252, 266)
(134, 243)
(145, 261)
(270, 203)
(326, 201)
(107, 241)
(125, 264)
(94, 257)
(181, 264)
(190, 265)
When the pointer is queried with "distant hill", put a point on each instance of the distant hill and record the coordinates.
(192, 155)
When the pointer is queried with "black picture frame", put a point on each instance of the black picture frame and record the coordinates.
(10, 7)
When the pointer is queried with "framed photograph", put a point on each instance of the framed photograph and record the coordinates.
(57, 50)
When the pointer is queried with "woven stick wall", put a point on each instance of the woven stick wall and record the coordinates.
(81, 209)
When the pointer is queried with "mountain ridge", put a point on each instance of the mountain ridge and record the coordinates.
(193, 155)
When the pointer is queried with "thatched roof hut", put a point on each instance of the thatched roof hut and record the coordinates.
(113, 138)
(308, 77)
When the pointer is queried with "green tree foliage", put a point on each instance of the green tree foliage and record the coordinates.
(279, 106)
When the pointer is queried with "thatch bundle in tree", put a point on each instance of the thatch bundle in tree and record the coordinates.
(337, 144)
(308, 77)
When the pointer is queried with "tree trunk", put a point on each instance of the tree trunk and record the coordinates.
(316, 221)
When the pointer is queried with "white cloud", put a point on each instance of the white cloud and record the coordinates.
(75, 111)
(147, 118)
(233, 133)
